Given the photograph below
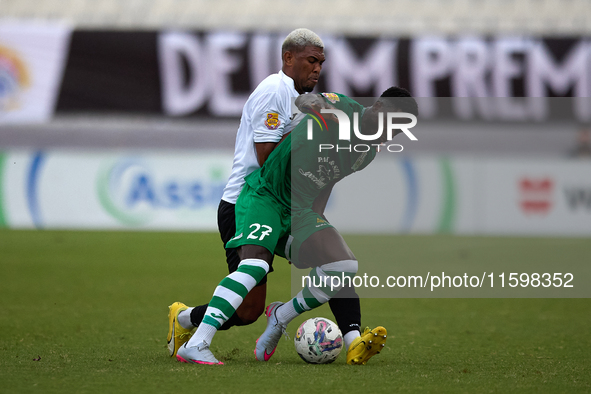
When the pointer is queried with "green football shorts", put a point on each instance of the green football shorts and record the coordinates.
(262, 220)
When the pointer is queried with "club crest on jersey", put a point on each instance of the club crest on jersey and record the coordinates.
(332, 97)
(272, 122)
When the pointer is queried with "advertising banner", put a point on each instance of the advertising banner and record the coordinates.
(32, 60)
(546, 198)
(107, 190)
(185, 73)
(394, 195)
(465, 195)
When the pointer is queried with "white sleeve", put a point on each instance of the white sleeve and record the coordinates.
(269, 118)
(294, 122)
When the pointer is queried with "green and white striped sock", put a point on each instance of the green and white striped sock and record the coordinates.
(319, 292)
(227, 297)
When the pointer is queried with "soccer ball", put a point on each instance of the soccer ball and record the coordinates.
(318, 341)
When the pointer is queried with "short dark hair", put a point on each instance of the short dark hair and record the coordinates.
(401, 98)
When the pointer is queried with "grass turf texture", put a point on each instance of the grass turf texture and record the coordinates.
(86, 312)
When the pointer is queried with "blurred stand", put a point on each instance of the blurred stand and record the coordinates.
(123, 115)
(376, 17)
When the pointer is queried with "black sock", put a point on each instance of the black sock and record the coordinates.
(346, 309)
(197, 314)
(234, 320)
(199, 311)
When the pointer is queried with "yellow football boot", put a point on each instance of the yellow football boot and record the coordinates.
(177, 335)
(370, 343)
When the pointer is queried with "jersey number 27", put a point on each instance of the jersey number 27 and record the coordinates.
(266, 231)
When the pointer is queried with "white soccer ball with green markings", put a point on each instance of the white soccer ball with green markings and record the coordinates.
(318, 341)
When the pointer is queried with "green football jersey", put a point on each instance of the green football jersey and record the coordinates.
(298, 170)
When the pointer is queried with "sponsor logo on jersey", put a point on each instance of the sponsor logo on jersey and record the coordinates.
(321, 222)
(272, 122)
(325, 172)
(359, 161)
(319, 182)
(332, 97)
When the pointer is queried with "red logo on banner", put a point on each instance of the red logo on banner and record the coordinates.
(536, 195)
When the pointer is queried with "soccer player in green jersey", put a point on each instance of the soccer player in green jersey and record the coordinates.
(280, 211)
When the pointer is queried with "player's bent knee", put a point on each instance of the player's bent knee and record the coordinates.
(255, 252)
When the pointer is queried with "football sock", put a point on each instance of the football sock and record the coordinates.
(227, 297)
(187, 319)
(350, 337)
(346, 309)
(319, 289)
(204, 332)
(184, 319)
(197, 314)
(234, 320)
(286, 313)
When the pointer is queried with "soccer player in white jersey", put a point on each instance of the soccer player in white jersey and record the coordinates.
(281, 211)
(266, 117)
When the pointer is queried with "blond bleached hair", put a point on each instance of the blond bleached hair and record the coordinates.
(298, 39)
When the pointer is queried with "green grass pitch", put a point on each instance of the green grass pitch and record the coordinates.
(85, 312)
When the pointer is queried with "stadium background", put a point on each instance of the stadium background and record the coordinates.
(103, 102)
(121, 116)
